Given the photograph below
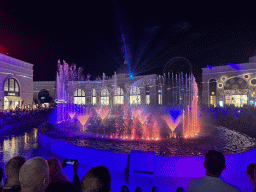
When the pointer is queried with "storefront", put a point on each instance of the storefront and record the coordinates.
(232, 84)
(237, 100)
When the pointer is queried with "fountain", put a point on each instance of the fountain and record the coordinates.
(173, 128)
(128, 121)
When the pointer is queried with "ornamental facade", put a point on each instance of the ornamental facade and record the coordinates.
(233, 84)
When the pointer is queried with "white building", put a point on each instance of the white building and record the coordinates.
(231, 84)
(16, 83)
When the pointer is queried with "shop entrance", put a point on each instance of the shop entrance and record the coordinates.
(237, 100)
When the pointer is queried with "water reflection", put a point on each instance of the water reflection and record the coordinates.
(22, 144)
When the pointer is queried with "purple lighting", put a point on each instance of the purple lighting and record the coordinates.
(210, 67)
(234, 66)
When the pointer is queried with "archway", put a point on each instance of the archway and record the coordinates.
(12, 98)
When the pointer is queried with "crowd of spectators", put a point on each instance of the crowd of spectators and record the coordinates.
(240, 119)
(19, 115)
(40, 175)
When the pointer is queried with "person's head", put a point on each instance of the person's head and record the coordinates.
(154, 189)
(124, 188)
(214, 162)
(250, 172)
(96, 179)
(138, 189)
(12, 168)
(180, 189)
(34, 175)
(57, 174)
(62, 186)
(1, 175)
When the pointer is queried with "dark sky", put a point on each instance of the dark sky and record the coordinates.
(89, 34)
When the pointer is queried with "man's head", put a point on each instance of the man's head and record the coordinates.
(124, 188)
(154, 189)
(138, 189)
(98, 179)
(214, 162)
(180, 189)
(13, 166)
(34, 175)
(250, 172)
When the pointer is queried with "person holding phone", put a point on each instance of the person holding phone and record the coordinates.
(74, 163)
(59, 181)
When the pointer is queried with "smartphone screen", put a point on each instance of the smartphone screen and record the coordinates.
(70, 162)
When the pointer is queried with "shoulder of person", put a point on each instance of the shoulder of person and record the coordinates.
(15, 188)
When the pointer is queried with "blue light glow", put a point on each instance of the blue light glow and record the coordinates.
(175, 113)
(210, 67)
(234, 66)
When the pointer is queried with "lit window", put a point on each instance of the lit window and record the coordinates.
(104, 99)
(119, 96)
(79, 97)
(135, 95)
(94, 98)
(147, 95)
(160, 96)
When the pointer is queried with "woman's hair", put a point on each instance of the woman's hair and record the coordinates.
(57, 174)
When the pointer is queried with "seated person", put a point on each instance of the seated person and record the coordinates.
(34, 175)
(124, 188)
(12, 170)
(214, 165)
(251, 175)
(97, 179)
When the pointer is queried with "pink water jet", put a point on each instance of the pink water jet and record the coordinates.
(102, 112)
(71, 115)
(83, 119)
(172, 124)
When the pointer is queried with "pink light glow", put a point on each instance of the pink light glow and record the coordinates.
(171, 123)
(83, 119)
(102, 112)
(71, 115)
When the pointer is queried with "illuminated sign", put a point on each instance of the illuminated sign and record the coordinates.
(253, 94)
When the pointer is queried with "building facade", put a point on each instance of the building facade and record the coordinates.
(121, 89)
(233, 84)
(16, 83)
(101, 92)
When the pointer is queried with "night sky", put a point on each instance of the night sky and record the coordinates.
(89, 34)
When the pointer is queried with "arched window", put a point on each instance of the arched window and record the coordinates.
(147, 95)
(11, 94)
(119, 96)
(135, 95)
(94, 97)
(212, 92)
(11, 87)
(44, 96)
(79, 97)
(160, 95)
(104, 97)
